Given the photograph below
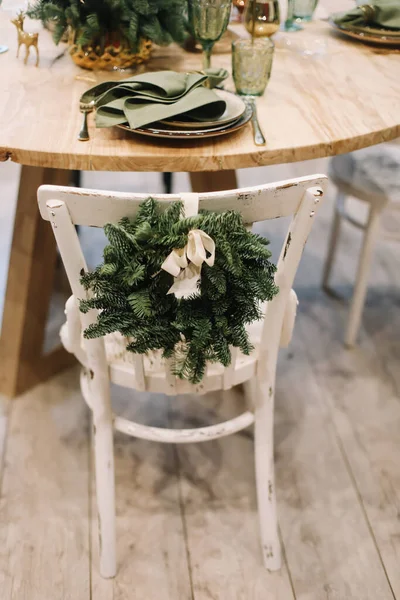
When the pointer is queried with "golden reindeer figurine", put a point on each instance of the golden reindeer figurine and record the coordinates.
(29, 39)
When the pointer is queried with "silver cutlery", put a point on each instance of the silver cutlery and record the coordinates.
(259, 138)
(85, 108)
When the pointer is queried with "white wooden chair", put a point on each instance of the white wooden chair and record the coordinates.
(371, 175)
(106, 360)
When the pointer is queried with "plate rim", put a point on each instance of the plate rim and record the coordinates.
(386, 40)
(183, 132)
(207, 123)
(190, 135)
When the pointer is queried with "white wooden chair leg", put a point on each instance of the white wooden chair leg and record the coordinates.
(357, 303)
(334, 236)
(265, 477)
(105, 484)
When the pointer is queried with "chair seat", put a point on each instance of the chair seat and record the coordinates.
(371, 174)
(152, 374)
(124, 365)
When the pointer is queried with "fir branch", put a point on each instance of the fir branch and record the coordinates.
(130, 290)
(96, 22)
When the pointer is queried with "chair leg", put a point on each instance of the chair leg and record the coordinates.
(104, 469)
(265, 477)
(167, 182)
(334, 236)
(76, 178)
(357, 303)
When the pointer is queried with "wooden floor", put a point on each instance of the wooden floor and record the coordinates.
(187, 521)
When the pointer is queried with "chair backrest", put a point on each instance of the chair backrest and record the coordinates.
(66, 207)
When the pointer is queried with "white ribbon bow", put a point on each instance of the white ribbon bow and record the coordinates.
(185, 263)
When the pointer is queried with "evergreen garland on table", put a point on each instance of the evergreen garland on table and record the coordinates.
(130, 288)
(97, 21)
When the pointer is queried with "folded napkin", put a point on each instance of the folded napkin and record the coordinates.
(380, 14)
(149, 97)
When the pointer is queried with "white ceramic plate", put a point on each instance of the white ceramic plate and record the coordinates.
(167, 129)
(235, 108)
(381, 37)
(192, 134)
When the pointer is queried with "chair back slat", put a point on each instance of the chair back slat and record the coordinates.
(95, 208)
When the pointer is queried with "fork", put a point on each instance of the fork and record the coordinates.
(85, 108)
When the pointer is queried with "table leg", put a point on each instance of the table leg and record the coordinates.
(213, 181)
(29, 287)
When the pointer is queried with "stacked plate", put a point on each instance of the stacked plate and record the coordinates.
(236, 115)
(374, 35)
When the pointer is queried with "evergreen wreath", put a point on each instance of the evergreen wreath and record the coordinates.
(130, 288)
(97, 21)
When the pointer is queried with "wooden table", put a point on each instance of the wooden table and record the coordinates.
(346, 100)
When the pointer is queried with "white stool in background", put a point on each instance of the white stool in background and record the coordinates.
(371, 175)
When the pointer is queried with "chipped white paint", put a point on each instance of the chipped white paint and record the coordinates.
(289, 319)
(98, 389)
(106, 359)
(184, 436)
(71, 331)
(96, 208)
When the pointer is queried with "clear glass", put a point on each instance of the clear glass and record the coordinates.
(208, 21)
(290, 24)
(262, 17)
(303, 10)
(251, 65)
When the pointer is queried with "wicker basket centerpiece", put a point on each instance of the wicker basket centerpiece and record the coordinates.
(112, 34)
(115, 53)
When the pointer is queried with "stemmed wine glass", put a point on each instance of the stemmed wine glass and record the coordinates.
(209, 20)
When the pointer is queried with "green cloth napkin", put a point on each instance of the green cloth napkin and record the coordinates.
(149, 97)
(378, 14)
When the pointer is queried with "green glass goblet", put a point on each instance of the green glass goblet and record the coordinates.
(290, 24)
(208, 20)
(251, 70)
(252, 65)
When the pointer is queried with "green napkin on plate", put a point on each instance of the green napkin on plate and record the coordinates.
(150, 97)
(379, 14)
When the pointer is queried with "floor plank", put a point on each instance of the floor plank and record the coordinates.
(5, 406)
(382, 318)
(366, 416)
(323, 525)
(151, 549)
(44, 501)
(361, 389)
(358, 387)
(219, 503)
